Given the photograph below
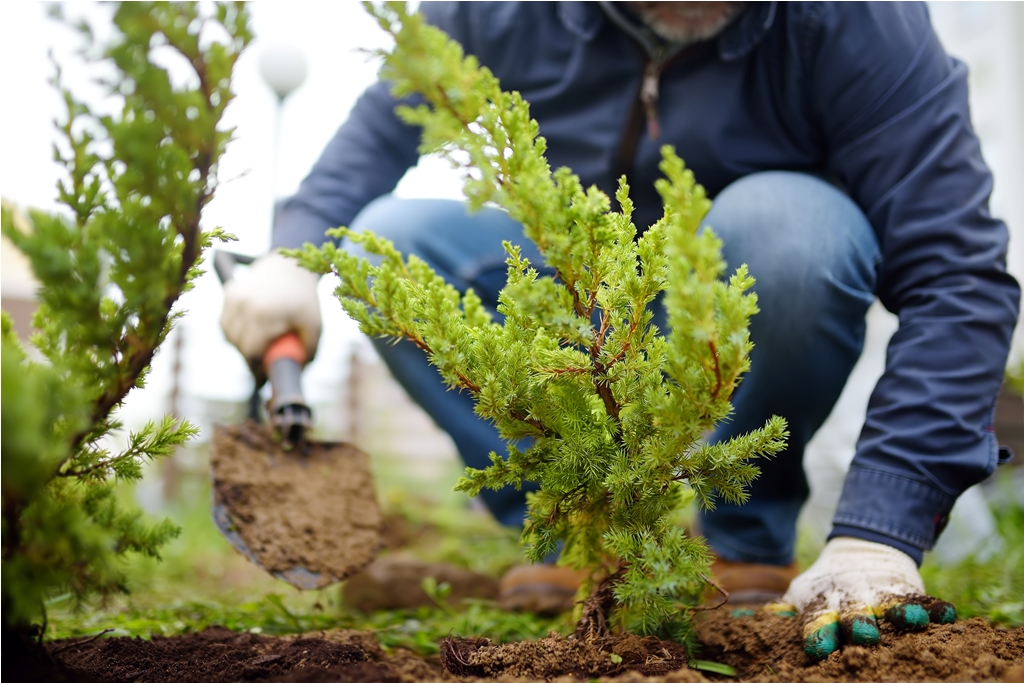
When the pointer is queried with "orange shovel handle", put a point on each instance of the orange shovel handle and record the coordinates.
(286, 346)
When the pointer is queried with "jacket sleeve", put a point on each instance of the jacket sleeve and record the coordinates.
(364, 160)
(893, 111)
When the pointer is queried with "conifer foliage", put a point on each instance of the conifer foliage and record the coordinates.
(110, 271)
(607, 413)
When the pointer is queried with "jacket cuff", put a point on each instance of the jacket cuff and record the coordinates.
(885, 507)
(865, 535)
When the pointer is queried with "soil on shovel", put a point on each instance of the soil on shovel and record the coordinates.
(762, 648)
(315, 510)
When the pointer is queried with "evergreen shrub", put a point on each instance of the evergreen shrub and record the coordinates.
(608, 414)
(110, 269)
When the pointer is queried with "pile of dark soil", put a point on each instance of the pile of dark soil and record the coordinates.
(763, 648)
(557, 655)
(219, 655)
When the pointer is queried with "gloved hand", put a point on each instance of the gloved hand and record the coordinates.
(852, 584)
(276, 295)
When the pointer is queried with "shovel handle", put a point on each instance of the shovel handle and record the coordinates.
(286, 346)
(288, 411)
(224, 263)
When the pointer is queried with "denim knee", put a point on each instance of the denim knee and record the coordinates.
(800, 237)
(813, 256)
(463, 247)
(391, 218)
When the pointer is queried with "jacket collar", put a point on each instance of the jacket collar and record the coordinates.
(585, 19)
(747, 31)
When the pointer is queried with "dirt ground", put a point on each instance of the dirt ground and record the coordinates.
(761, 647)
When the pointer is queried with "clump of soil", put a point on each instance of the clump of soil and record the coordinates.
(766, 648)
(559, 655)
(763, 648)
(310, 518)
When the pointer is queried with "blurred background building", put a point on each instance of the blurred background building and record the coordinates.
(197, 374)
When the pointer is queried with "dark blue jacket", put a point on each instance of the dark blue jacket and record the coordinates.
(860, 93)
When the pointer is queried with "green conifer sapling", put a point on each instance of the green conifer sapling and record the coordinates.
(599, 407)
(109, 270)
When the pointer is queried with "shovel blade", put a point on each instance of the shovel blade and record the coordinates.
(307, 516)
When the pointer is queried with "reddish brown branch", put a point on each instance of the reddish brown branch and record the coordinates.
(577, 304)
(724, 595)
(139, 353)
(600, 371)
(718, 369)
(604, 390)
(542, 429)
(682, 475)
(634, 323)
(602, 333)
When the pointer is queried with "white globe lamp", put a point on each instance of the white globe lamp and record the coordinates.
(283, 68)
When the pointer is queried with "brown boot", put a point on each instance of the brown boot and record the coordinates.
(542, 589)
(396, 582)
(747, 582)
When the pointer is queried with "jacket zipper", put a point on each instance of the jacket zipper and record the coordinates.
(649, 96)
(645, 108)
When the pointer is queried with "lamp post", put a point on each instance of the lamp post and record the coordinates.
(283, 68)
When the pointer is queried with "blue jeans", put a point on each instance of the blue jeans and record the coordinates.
(813, 255)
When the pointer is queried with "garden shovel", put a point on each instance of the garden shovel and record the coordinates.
(304, 511)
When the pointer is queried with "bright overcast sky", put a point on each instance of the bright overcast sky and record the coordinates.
(330, 35)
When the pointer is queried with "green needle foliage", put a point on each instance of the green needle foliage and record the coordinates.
(110, 270)
(604, 411)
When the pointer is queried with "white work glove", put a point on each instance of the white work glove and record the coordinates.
(852, 584)
(274, 296)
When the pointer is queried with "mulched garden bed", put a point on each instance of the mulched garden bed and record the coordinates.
(761, 647)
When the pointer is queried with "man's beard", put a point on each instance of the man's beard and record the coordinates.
(687, 22)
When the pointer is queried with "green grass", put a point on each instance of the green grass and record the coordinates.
(418, 630)
(992, 587)
(1015, 376)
